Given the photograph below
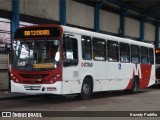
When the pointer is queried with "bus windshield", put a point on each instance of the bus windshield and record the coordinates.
(36, 54)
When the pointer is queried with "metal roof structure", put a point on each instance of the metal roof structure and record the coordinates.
(148, 9)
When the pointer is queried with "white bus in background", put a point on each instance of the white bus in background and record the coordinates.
(83, 62)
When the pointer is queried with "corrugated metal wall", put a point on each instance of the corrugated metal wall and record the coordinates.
(4, 78)
(4, 61)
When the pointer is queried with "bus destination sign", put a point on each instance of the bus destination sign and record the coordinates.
(37, 32)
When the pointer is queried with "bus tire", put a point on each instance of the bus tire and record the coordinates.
(135, 86)
(86, 89)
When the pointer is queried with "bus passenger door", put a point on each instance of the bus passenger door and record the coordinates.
(70, 64)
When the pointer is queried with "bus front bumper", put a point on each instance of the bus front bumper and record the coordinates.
(36, 88)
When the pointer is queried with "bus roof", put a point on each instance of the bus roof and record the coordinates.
(104, 36)
(91, 34)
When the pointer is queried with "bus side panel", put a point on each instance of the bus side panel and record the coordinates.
(110, 82)
(152, 77)
(71, 83)
(97, 70)
(147, 75)
(70, 79)
(118, 76)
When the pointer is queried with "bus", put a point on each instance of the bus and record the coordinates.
(62, 60)
(157, 54)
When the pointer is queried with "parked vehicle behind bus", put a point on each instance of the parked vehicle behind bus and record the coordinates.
(157, 54)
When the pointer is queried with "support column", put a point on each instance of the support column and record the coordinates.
(14, 19)
(142, 29)
(122, 21)
(97, 8)
(62, 12)
(157, 35)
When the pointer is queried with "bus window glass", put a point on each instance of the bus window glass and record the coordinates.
(124, 52)
(135, 54)
(70, 51)
(99, 49)
(112, 48)
(86, 48)
(38, 54)
(151, 57)
(144, 55)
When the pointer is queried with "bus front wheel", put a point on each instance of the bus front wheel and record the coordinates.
(86, 89)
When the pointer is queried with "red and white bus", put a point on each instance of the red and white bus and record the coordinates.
(55, 59)
(157, 53)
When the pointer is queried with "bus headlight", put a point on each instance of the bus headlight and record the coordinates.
(51, 81)
(54, 78)
(11, 75)
(17, 80)
(14, 78)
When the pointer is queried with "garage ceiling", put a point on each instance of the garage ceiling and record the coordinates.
(146, 6)
(150, 9)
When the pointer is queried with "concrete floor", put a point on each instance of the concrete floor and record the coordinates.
(145, 100)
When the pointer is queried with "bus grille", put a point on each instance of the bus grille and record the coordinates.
(26, 87)
(33, 82)
(33, 76)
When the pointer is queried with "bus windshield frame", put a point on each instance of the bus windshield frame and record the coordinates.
(36, 54)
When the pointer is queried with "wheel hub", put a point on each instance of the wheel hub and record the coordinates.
(85, 89)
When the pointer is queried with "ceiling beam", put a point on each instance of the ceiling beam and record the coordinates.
(133, 7)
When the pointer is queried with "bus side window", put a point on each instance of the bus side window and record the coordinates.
(135, 54)
(99, 49)
(70, 51)
(151, 56)
(144, 55)
(113, 52)
(124, 53)
(86, 48)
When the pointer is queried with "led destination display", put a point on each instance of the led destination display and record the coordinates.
(37, 32)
